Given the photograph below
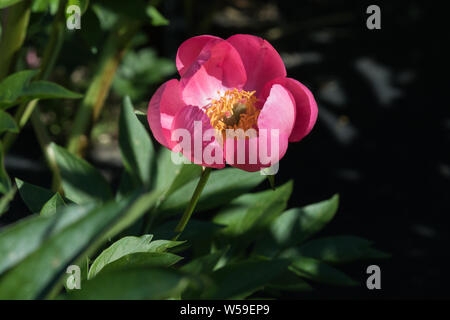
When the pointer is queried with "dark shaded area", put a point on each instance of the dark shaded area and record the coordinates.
(382, 138)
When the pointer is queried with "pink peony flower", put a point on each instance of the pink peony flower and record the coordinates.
(237, 83)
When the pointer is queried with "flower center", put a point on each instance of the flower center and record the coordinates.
(236, 109)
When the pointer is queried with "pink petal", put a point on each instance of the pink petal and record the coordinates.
(262, 62)
(306, 106)
(277, 113)
(190, 49)
(194, 122)
(249, 151)
(163, 106)
(218, 68)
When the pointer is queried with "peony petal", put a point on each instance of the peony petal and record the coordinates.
(163, 106)
(218, 68)
(261, 61)
(269, 146)
(190, 49)
(305, 104)
(277, 113)
(248, 151)
(192, 124)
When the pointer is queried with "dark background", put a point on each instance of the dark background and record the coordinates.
(382, 136)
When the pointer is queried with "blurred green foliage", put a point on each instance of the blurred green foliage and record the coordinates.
(139, 71)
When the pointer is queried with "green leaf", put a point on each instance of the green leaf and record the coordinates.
(143, 259)
(134, 284)
(244, 277)
(7, 3)
(163, 245)
(126, 246)
(340, 249)
(44, 6)
(202, 267)
(18, 87)
(35, 197)
(204, 264)
(251, 213)
(48, 90)
(195, 230)
(119, 249)
(83, 4)
(170, 176)
(52, 205)
(223, 186)
(135, 144)
(126, 185)
(297, 225)
(142, 117)
(320, 272)
(7, 123)
(81, 182)
(5, 182)
(6, 199)
(20, 239)
(156, 17)
(142, 205)
(198, 234)
(51, 259)
(12, 86)
(289, 281)
(271, 179)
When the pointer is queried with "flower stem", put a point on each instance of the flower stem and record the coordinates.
(116, 45)
(191, 206)
(44, 142)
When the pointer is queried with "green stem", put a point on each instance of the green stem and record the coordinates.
(53, 47)
(44, 142)
(15, 25)
(190, 208)
(92, 104)
(21, 116)
(50, 56)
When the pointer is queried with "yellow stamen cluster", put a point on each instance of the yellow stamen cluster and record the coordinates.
(236, 109)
